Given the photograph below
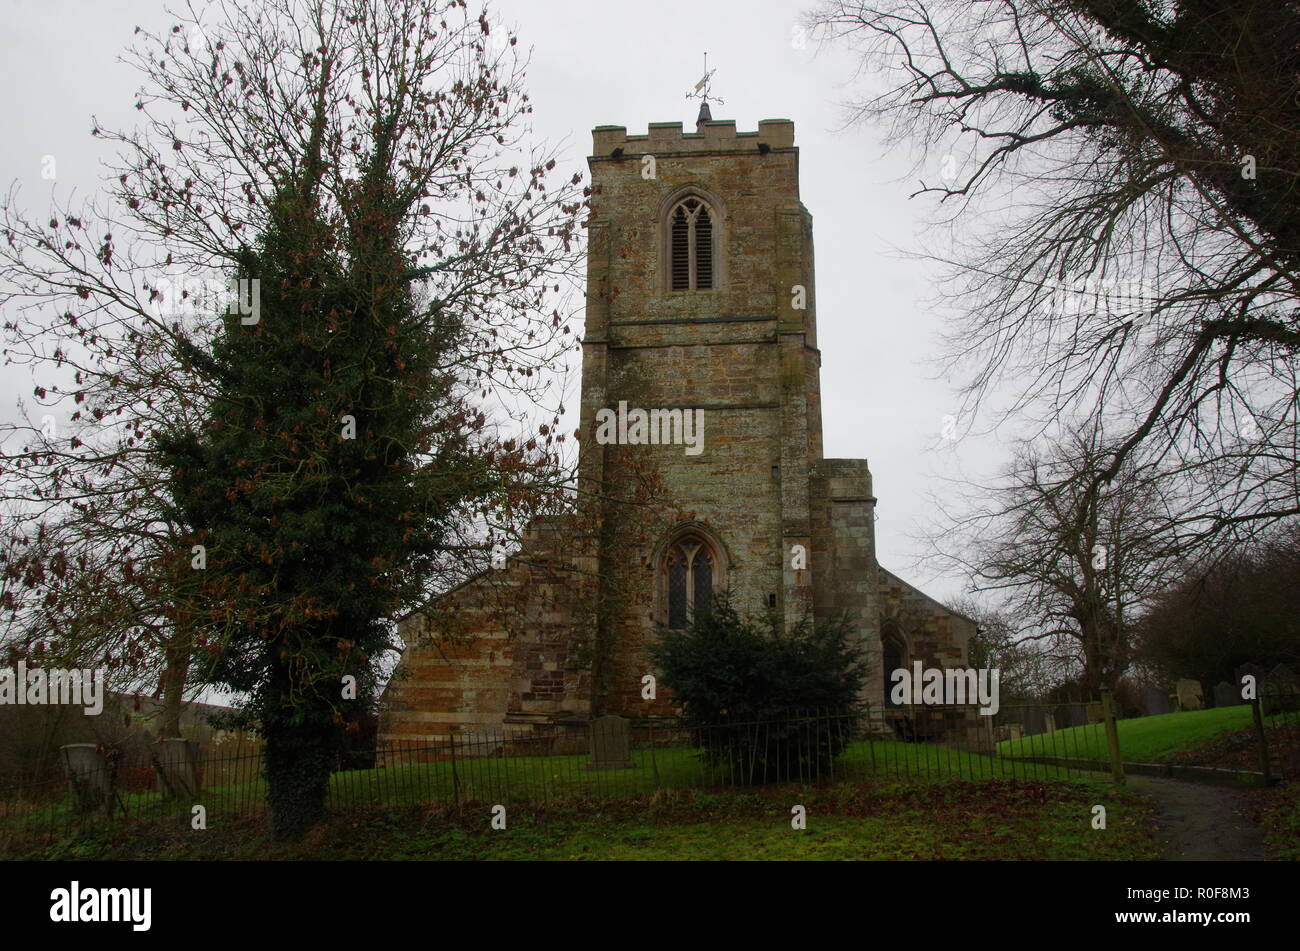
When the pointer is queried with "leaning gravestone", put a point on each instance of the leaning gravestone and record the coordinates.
(611, 742)
(1189, 694)
(176, 764)
(1226, 695)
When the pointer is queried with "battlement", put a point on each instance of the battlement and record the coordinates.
(667, 137)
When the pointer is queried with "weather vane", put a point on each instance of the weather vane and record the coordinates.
(701, 91)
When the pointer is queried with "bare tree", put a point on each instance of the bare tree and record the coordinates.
(1027, 669)
(1122, 181)
(1073, 559)
(371, 167)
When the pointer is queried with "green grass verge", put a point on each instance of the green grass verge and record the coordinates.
(1151, 739)
(518, 779)
(956, 819)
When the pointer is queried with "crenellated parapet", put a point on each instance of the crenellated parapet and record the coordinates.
(666, 138)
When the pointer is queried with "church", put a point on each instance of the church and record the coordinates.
(700, 465)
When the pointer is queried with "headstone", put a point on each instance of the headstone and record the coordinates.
(1252, 670)
(1008, 731)
(1155, 701)
(1283, 677)
(87, 773)
(1035, 721)
(176, 762)
(1189, 694)
(1066, 715)
(1226, 695)
(1281, 690)
(611, 741)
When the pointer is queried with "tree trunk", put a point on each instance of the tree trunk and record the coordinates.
(176, 668)
(299, 760)
(302, 742)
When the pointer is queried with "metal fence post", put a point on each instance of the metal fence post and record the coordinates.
(1112, 735)
(455, 778)
(654, 762)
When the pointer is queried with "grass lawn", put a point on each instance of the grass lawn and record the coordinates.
(989, 819)
(1151, 739)
(538, 778)
(522, 779)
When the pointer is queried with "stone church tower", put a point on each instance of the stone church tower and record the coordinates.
(701, 464)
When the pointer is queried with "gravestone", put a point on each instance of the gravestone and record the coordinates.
(1281, 690)
(1035, 721)
(1251, 670)
(1226, 695)
(1189, 694)
(1068, 715)
(1155, 701)
(611, 741)
(1282, 676)
(176, 764)
(87, 773)
(1008, 731)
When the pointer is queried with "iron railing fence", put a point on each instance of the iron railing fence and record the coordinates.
(612, 758)
(566, 761)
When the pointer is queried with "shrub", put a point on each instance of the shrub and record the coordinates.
(759, 699)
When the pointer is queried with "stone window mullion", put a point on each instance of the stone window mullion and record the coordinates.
(690, 248)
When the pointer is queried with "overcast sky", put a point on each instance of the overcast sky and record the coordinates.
(620, 62)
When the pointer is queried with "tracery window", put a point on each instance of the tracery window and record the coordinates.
(689, 568)
(691, 245)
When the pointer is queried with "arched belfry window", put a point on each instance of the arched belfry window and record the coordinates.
(690, 571)
(691, 244)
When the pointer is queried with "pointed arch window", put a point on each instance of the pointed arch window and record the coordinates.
(691, 224)
(690, 570)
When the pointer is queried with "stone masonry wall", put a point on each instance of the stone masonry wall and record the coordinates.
(565, 630)
(509, 640)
